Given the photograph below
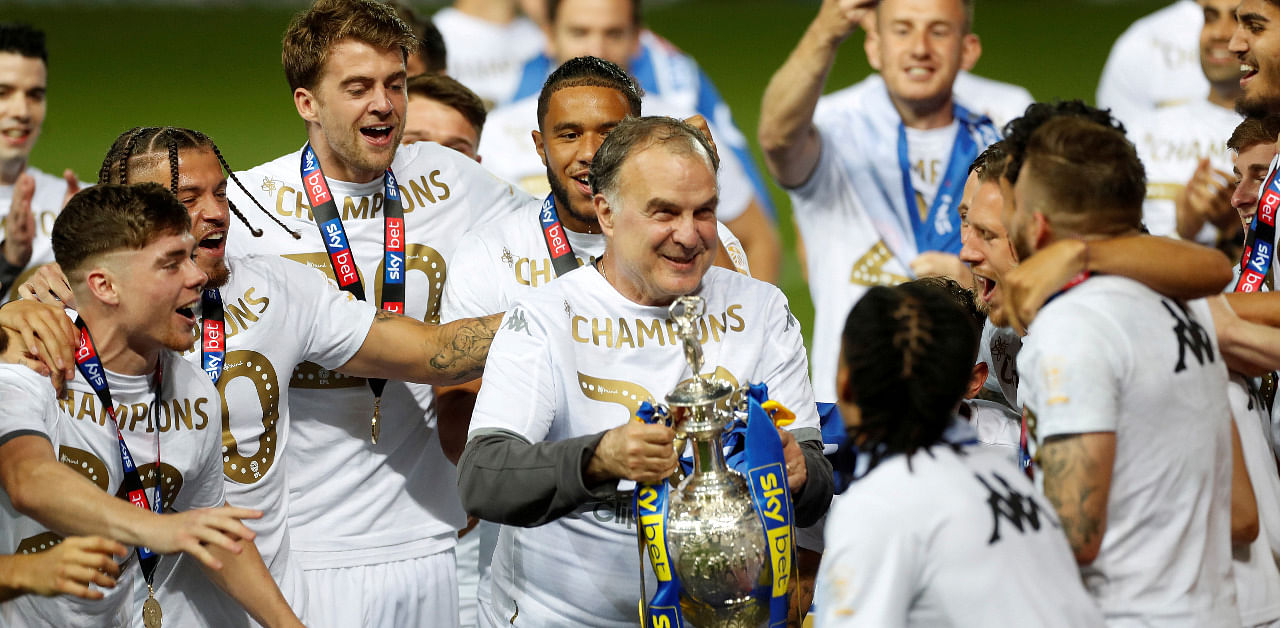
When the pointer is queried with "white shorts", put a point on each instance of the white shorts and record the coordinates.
(475, 552)
(415, 592)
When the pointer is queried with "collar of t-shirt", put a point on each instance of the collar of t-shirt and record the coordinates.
(928, 151)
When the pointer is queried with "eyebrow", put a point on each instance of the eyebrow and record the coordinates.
(1251, 17)
(662, 203)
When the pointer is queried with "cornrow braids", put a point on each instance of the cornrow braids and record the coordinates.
(152, 141)
(908, 351)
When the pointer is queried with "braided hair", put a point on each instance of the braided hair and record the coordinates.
(909, 352)
(141, 144)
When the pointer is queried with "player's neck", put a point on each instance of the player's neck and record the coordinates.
(120, 351)
(10, 170)
(573, 222)
(334, 167)
(1224, 96)
(495, 11)
(925, 115)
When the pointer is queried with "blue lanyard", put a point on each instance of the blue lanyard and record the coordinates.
(940, 230)
(553, 233)
(1259, 244)
(213, 339)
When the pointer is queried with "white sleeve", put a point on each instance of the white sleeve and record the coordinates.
(1069, 371)
(519, 390)
(472, 287)
(827, 181)
(334, 322)
(28, 402)
(871, 565)
(487, 196)
(736, 190)
(787, 365)
(1122, 88)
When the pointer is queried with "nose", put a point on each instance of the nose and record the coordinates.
(919, 43)
(381, 103)
(969, 252)
(588, 146)
(1238, 44)
(16, 106)
(195, 278)
(685, 231)
(1243, 199)
(212, 211)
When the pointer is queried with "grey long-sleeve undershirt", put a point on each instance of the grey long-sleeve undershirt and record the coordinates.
(506, 479)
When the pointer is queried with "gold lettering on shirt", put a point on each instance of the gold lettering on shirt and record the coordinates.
(622, 333)
(1161, 149)
(171, 415)
(238, 466)
(869, 270)
(536, 271)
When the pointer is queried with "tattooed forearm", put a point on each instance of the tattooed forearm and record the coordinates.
(463, 346)
(1076, 481)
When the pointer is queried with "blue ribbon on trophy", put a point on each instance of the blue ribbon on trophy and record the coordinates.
(650, 505)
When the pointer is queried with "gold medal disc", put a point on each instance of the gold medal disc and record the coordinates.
(151, 613)
(375, 426)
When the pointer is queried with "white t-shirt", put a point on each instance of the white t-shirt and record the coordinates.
(1111, 355)
(186, 425)
(1255, 570)
(508, 151)
(930, 544)
(580, 358)
(46, 204)
(486, 57)
(928, 152)
(1171, 141)
(997, 427)
(277, 314)
(1155, 63)
(350, 502)
(839, 214)
(999, 349)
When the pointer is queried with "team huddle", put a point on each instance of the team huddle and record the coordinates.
(399, 376)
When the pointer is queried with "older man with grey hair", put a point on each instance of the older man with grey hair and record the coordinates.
(554, 447)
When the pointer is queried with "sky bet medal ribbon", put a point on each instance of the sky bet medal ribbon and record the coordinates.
(90, 366)
(1260, 241)
(767, 475)
(650, 503)
(343, 260)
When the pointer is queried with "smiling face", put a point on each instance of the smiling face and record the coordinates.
(919, 48)
(202, 189)
(356, 110)
(1250, 167)
(1256, 44)
(157, 287)
(987, 249)
(22, 107)
(577, 121)
(1220, 66)
(661, 229)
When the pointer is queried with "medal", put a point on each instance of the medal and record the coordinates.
(375, 426)
(151, 613)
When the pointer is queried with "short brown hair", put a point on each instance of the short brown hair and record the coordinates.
(449, 92)
(112, 217)
(967, 5)
(1253, 131)
(1091, 173)
(312, 33)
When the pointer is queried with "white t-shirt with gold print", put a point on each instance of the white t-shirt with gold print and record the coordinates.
(183, 425)
(581, 358)
(352, 502)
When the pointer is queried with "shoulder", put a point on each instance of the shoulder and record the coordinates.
(1179, 17)
(18, 379)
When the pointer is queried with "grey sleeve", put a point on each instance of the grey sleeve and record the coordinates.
(505, 479)
(815, 497)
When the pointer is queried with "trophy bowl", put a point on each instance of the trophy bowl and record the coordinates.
(718, 547)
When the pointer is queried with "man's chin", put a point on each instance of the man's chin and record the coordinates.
(1251, 106)
(218, 275)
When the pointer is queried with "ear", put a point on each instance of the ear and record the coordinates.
(306, 104)
(537, 145)
(1043, 231)
(871, 44)
(843, 389)
(976, 380)
(970, 50)
(102, 285)
(604, 214)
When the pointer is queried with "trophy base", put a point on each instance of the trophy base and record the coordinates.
(747, 613)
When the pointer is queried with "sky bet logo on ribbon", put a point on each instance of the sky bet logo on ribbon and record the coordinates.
(556, 242)
(344, 265)
(88, 359)
(394, 263)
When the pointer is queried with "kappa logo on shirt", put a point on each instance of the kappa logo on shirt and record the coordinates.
(1021, 511)
(516, 321)
(1191, 336)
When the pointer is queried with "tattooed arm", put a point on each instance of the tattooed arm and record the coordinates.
(1077, 480)
(402, 348)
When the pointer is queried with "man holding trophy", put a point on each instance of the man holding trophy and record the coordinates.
(555, 441)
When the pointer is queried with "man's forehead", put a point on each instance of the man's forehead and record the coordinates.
(951, 11)
(17, 69)
(581, 104)
(1257, 9)
(350, 57)
(574, 12)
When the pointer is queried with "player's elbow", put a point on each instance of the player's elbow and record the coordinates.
(1244, 532)
(1086, 553)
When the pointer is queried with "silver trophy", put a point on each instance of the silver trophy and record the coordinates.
(717, 543)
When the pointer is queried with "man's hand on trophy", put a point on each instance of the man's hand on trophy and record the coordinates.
(634, 451)
(797, 472)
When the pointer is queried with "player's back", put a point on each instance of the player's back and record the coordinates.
(1111, 355)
